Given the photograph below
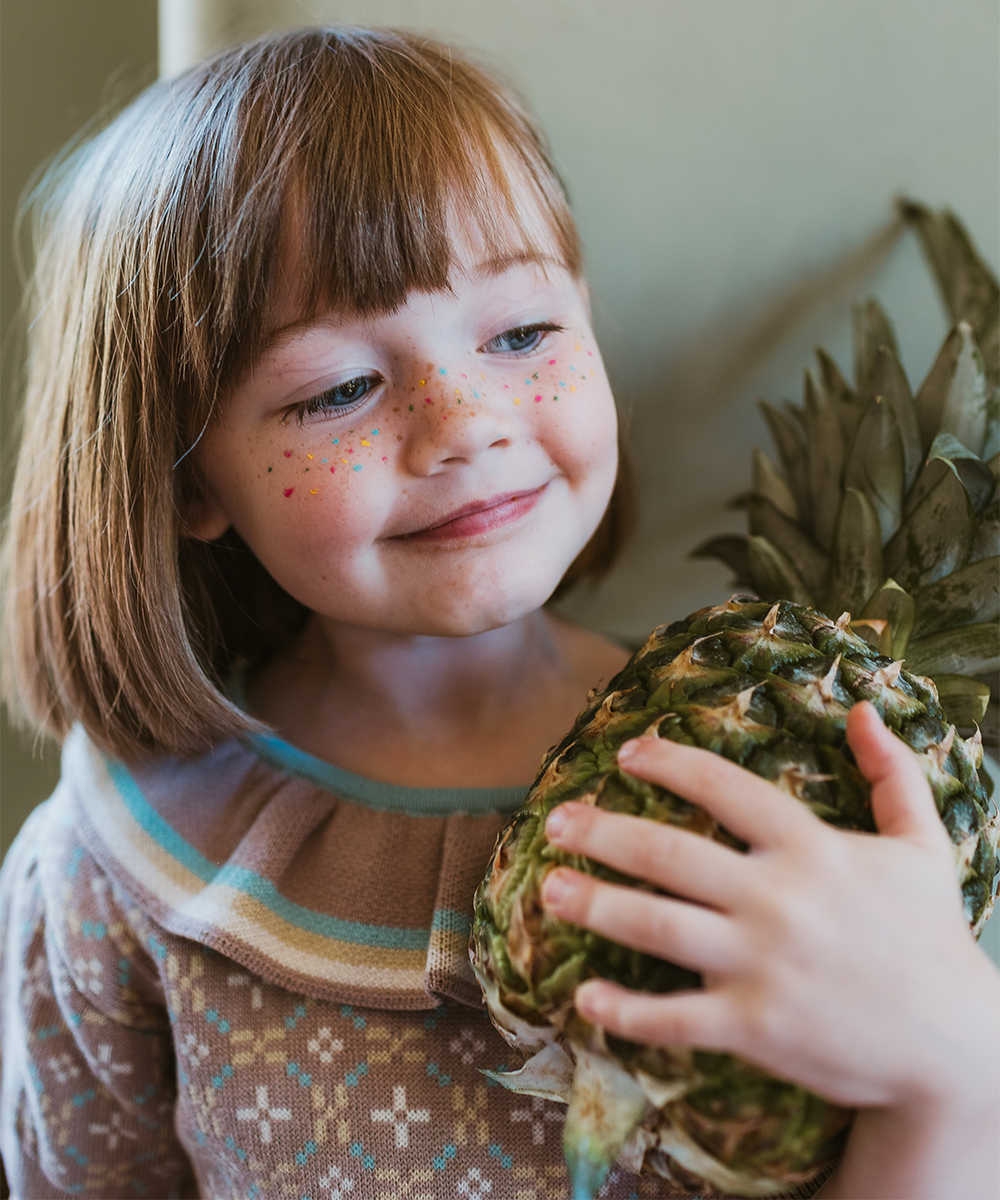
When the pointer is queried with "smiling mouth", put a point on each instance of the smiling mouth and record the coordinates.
(479, 517)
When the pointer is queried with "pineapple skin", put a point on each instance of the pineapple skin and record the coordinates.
(768, 686)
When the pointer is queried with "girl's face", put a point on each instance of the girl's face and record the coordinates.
(431, 471)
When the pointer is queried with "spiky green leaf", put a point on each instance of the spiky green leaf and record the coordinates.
(964, 700)
(774, 575)
(766, 521)
(974, 473)
(969, 595)
(871, 330)
(788, 438)
(856, 566)
(876, 465)
(840, 394)
(968, 650)
(889, 381)
(772, 485)
(964, 410)
(933, 392)
(825, 456)
(936, 538)
(890, 603)
(730, 549)
(986, 541)
(968, 287)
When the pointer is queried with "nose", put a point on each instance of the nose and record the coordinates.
(454, 431)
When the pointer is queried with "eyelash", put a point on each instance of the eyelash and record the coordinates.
(318, 404)
(522, 330)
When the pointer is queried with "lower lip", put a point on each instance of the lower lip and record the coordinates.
(484, 521)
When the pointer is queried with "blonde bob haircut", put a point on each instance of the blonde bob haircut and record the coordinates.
(157, 243)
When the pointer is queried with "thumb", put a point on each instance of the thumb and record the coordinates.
(902, 803)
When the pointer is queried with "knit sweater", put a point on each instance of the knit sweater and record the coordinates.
(247, 976)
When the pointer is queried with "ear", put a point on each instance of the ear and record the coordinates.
(204, 519)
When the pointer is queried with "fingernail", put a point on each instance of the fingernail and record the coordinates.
(588, 1000)
(555, 824)
(555, 887)
(628, 752)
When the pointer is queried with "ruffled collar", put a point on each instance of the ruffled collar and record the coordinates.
(316, 879)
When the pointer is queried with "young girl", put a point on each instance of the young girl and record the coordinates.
(315, 426)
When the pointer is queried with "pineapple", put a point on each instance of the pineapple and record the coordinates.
(886, 508)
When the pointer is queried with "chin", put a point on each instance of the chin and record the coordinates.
(471, 619)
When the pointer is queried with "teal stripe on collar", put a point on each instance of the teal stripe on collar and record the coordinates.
(242, 879)
(385, 797)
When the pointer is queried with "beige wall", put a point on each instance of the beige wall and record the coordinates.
(61, 61)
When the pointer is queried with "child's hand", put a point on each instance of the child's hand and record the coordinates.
(841, 961)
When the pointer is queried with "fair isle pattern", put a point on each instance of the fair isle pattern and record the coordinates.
(141, 1063)
(243, 913)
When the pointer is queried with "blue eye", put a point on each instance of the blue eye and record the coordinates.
(343, 396)
(521, 340)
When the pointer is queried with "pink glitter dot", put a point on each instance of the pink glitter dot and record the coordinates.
(538, 399)
(552, 362)
(384, 459)
(288, 454)
(428, 400)
(333, 470)
(288, 492)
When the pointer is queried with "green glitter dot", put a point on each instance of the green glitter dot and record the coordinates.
(270, 469)
(411, 408)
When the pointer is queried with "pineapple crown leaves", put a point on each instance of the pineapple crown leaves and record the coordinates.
(884, 502)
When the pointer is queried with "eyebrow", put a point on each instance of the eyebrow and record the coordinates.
(278, 338)
(495, 265)
(498, 264)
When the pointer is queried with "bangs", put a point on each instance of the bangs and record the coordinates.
(423, 142)
(347, 163)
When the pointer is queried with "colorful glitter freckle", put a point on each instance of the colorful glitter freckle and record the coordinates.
(287, 492)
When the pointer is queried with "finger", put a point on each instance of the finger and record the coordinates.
(696, 1018)
(693, 937)
(681, 862)
(748, 806)
(902, 803)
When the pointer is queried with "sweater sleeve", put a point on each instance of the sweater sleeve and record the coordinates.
(88, 1077)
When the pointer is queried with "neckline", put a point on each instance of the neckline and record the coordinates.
(384, 797)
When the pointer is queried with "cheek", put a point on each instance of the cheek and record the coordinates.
(320, 462)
